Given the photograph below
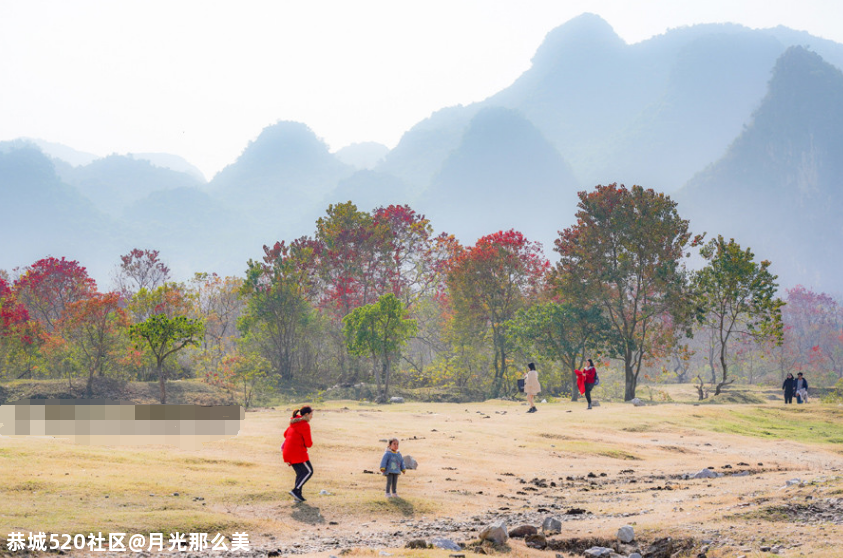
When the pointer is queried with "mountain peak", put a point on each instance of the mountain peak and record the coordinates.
(586, 32)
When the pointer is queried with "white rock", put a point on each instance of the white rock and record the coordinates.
(496, 532)
(626, 534)
(598, 552)
(396, 399)
(637, 402)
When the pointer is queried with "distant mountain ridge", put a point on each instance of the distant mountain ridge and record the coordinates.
(779, 188)
(718, 107)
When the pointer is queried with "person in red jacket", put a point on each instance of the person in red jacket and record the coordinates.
(296, 441)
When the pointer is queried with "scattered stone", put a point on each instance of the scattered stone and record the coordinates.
(626, 534)
(446, 544)
(634, 555)
(496, 532)
(793, 482)
(637, 402)
(576, 511)
(551, 526)
(410, 462)
(396, 399)
(324, 492)
(536, 541)
(367, 472)
(598, 552)
(416, 544)
(522, 531)
(706, 474)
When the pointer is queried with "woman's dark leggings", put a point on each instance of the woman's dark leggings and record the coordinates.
(788, 397)
(391, 480)
(303, 473)
(588, 388)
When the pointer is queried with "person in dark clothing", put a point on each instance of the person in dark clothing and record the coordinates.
(800, 388)
(296, 441)
(789, 388)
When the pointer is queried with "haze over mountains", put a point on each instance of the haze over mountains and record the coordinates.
(743, 127)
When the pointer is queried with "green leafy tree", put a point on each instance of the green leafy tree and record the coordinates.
(278, 313)
(490, 281)
(559, 332)
(379, 330)
(164, 336)
(624, 255)
(738, 296)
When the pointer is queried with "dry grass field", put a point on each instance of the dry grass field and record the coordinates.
(596, 470)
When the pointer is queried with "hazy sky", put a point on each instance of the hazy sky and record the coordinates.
(201, 78)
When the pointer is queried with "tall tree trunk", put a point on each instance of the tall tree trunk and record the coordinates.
(162, 383)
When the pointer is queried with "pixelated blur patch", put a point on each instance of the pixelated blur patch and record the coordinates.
(103, 422)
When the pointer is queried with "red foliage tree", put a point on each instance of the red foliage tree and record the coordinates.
(491, 280)
(49, 285)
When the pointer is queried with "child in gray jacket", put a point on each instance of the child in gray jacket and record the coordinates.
(392, 465)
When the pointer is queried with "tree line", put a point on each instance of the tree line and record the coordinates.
(378, 298)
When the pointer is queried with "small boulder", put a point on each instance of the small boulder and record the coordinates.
(522, 531)
(536, 541)
(416, 543)
(396, 399)
(446, 544)
(637, 402)
(706, 474)
(626, 534)
(598, 552)
(495, 532)
(551, 526)
(410, 462)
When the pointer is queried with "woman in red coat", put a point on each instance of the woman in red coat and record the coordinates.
(296, 441)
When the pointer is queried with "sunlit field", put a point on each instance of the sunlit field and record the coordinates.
(472, 461)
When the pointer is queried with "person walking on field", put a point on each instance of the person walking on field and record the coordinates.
(532, 387)
(392, 465)
(800, 387)
(789, 387)
(590, 380)
(296, 441)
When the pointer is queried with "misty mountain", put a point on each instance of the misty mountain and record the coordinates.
(280, 180)
(653, 113)
(365, 155)
(751, 122)
(503, 175)
(115, 182)
(42, 216)
(369, 189)
(779, 187)
(67, 154)
(172, 162)
(199, 233)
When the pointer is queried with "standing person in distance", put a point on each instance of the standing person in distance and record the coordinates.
(590, 376)
(296, 441)
(800, 387)
(392, 465)
(532, 387)
(789, 386)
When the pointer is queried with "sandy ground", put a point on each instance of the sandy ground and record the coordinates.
(595, 471)
(615, 465)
